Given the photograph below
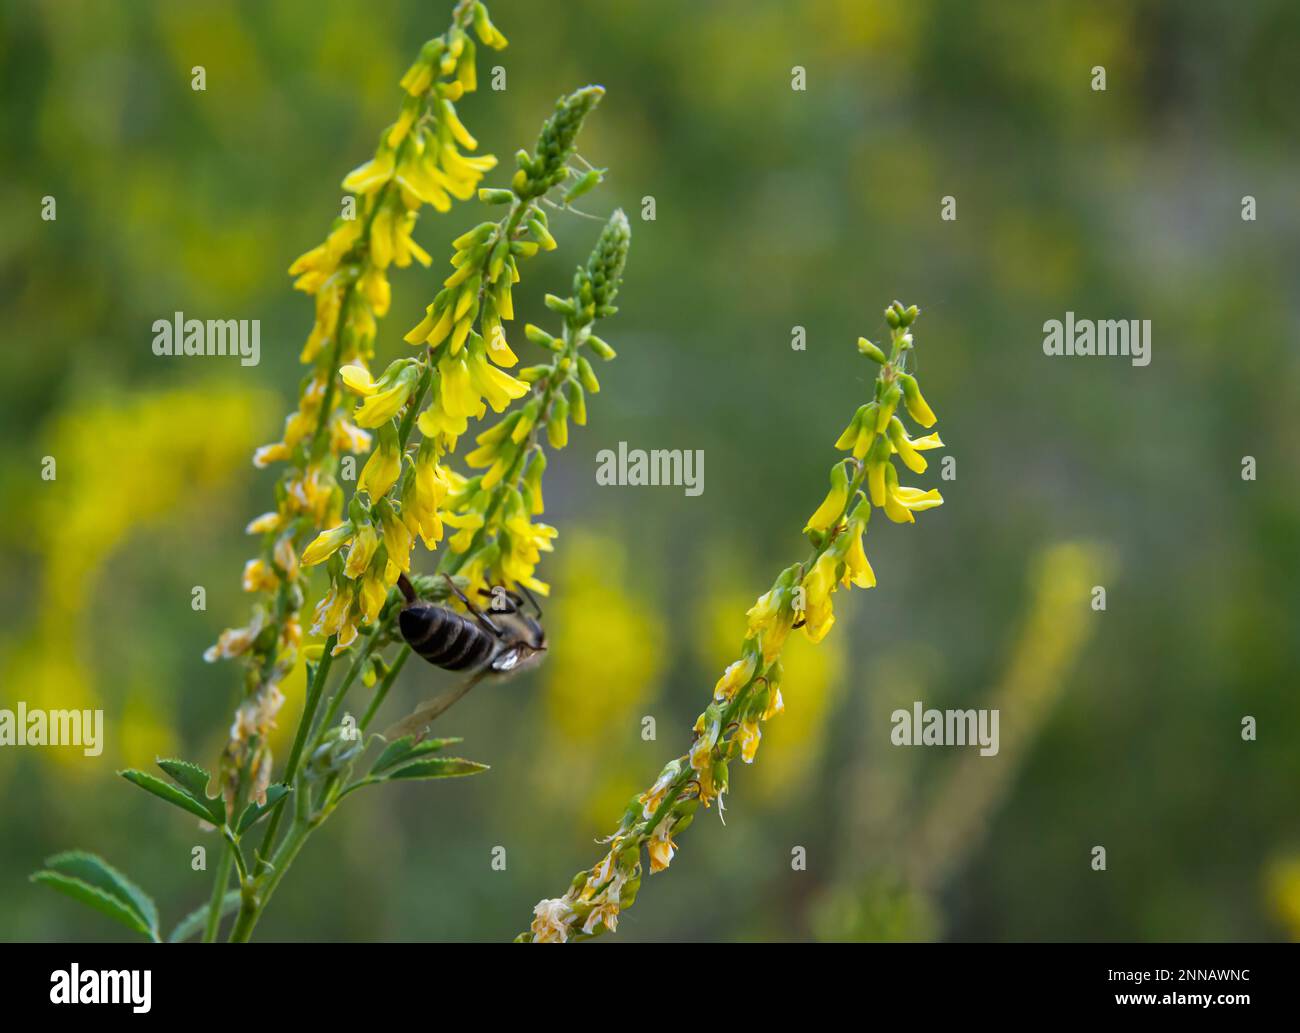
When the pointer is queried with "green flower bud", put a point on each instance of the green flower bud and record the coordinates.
(868, 349)
(586, 182)
(557, 425)
(578, 404)
(539, 336)
(587, 375)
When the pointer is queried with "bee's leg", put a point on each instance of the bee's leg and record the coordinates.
(531, 599)
(475, 612)
(502, 599)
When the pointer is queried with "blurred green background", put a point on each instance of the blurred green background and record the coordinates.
(774, 208)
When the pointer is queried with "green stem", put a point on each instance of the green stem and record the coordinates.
(219, 883)
(255, 897)
(382, 691)
(300, 737)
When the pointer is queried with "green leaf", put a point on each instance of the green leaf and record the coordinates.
(171, 794)
(93, 881)
(194, 780)
(436, 767)
(198, 918)
(255, 812)
(405, 749)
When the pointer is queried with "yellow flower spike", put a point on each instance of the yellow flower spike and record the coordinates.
(916, 406)
(818, 584)
(384, 465)
(362, 552)
(733, 679)
(327, 543)
(384, 404)
(749, 736)
(833, 505)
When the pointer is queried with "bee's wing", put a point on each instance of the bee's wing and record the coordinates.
(423, 715)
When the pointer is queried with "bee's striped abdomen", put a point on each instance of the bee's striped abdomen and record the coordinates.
(446, 638)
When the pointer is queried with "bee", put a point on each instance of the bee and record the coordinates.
(505, 643)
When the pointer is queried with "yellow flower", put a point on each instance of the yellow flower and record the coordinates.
(749, 736)
(332, 610)
(833, 505)
(916, 406)
(236, 641)
(367, 178)
(771, 617)
(386, 402)
(818, 584)
(654, 796)
(499, 388)
(384, 465)
(363, 550)
(909, 449)
(358, 380)
(857, 570)
(551, 921)
(326, 544)
(268, 454)
(734, 678)
(264, 523)
(373, 594)
(423, 492)
(397, 539)
(661, 846)
(901, 502)
(860, 433)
